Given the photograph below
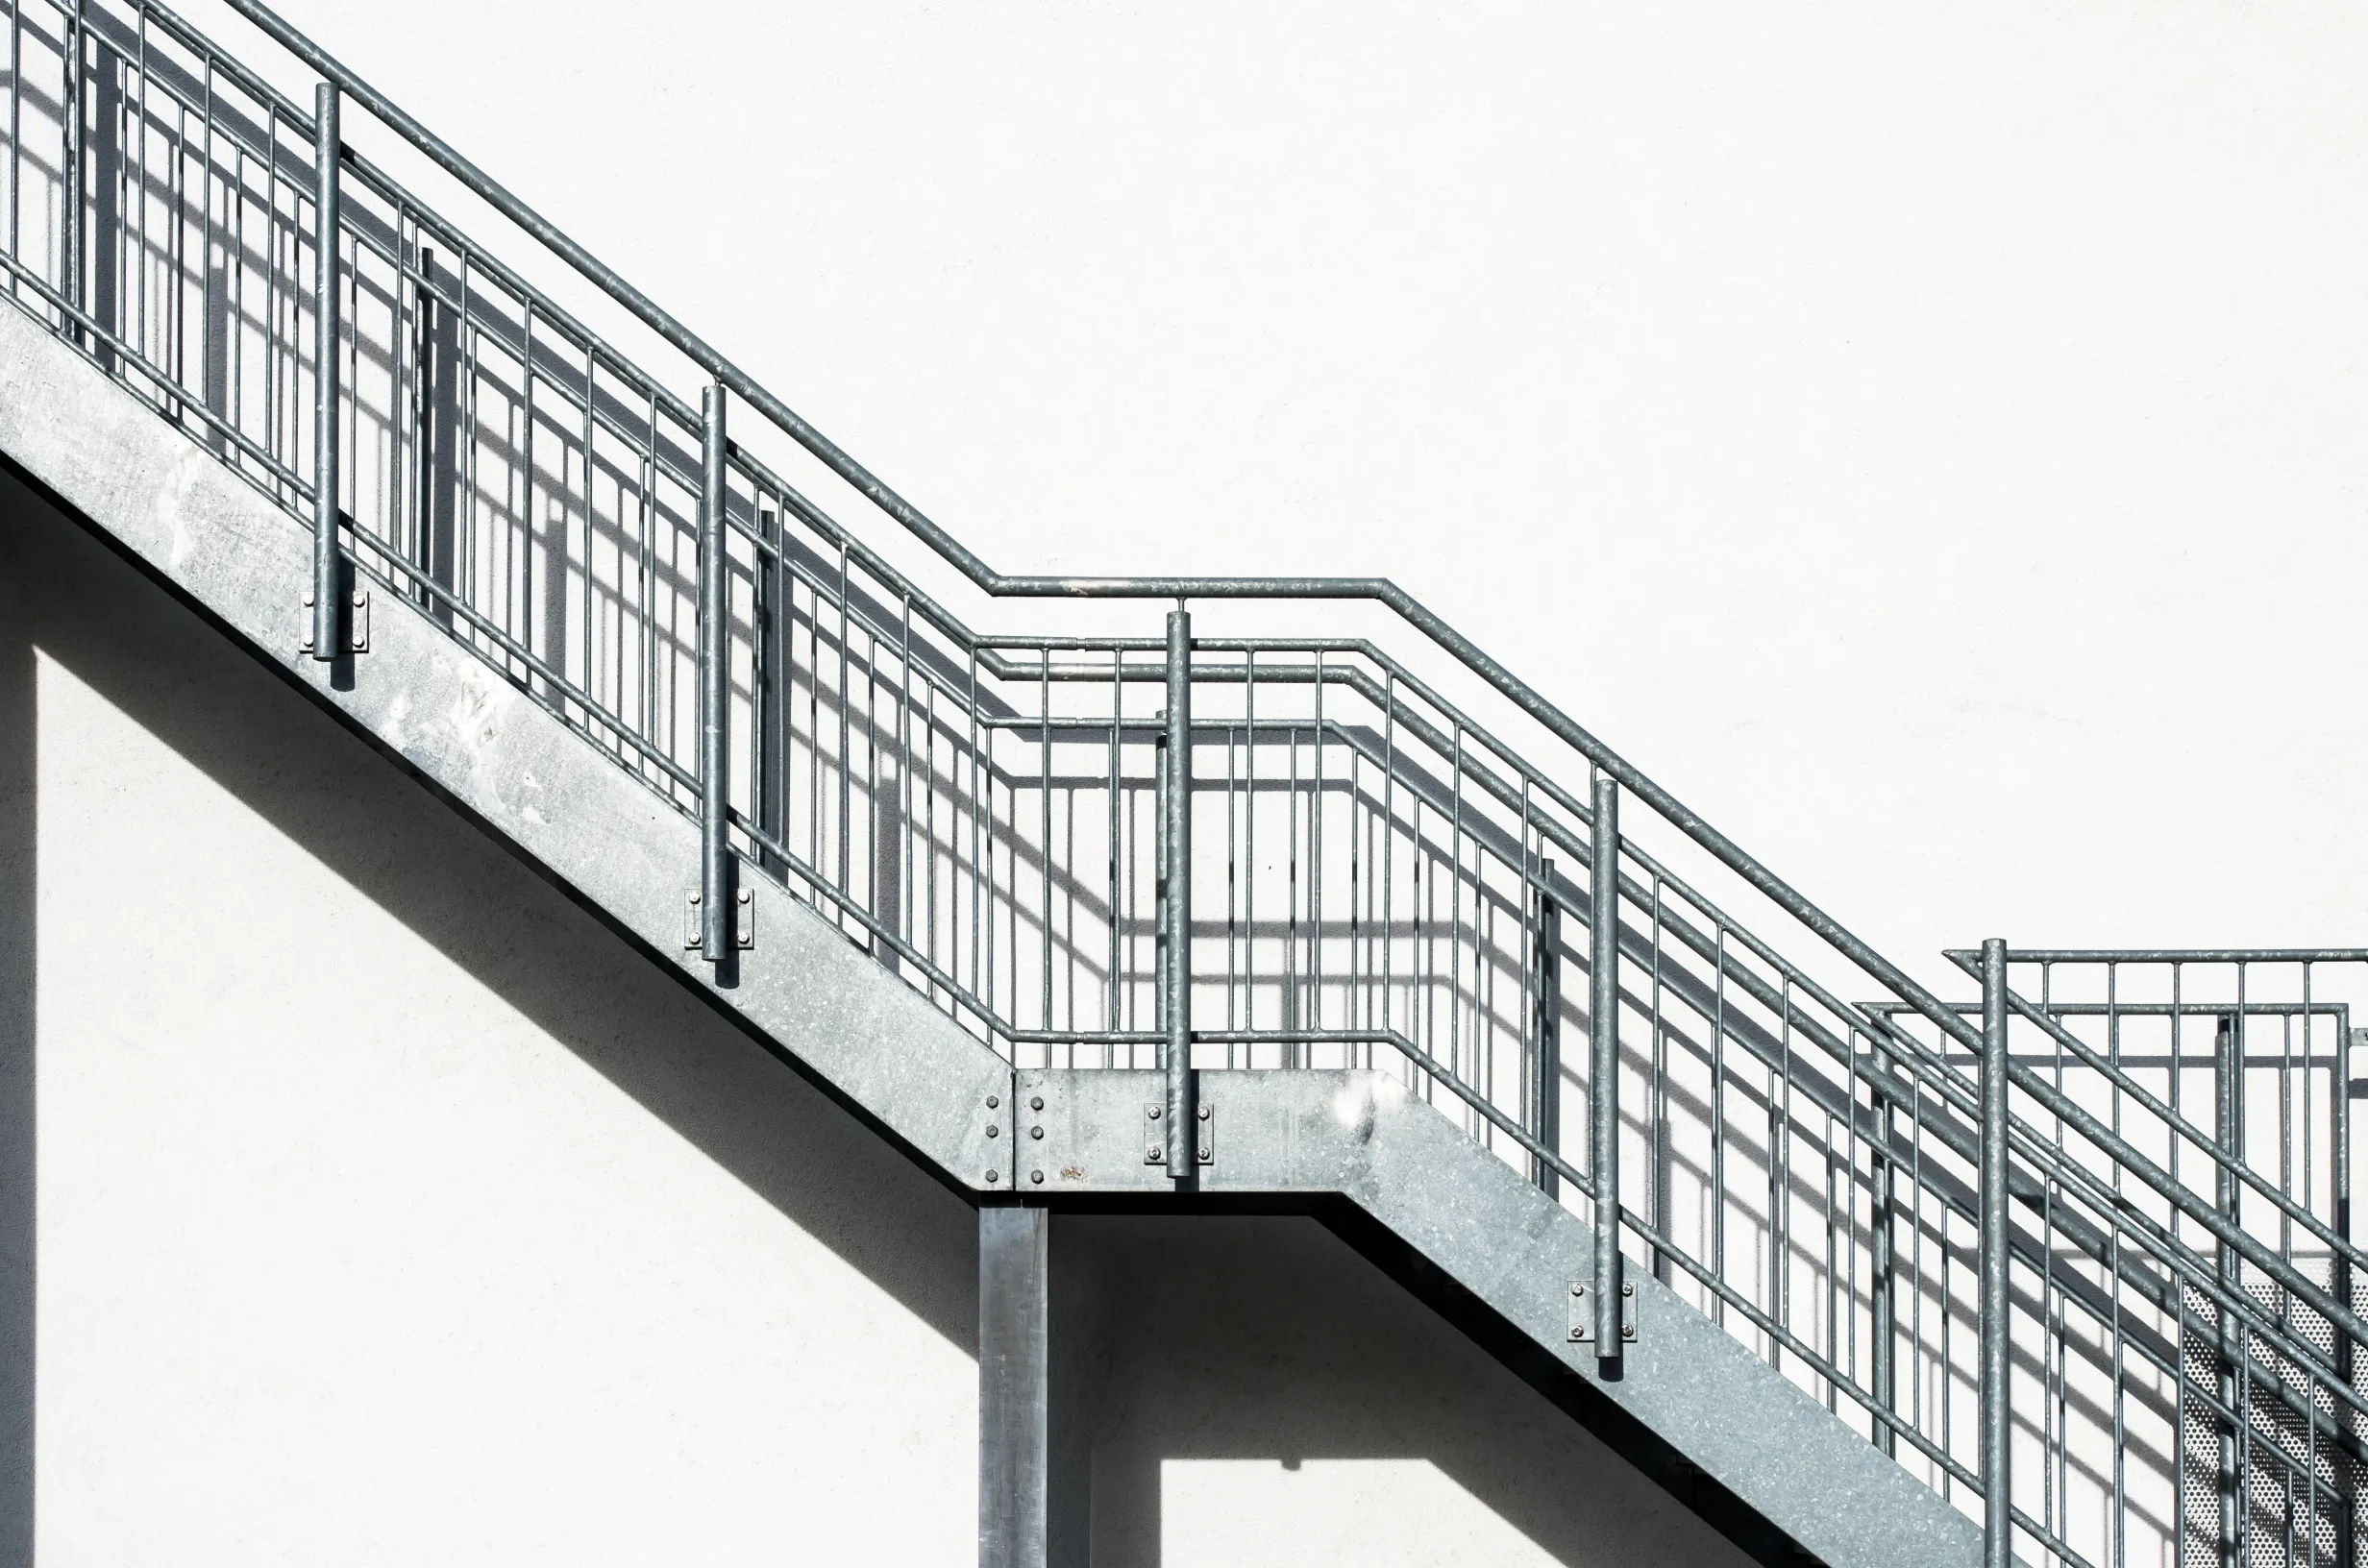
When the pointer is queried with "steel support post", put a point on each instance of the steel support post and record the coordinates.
(328, 581)
(715, 893)
(1603, 1061)
(1175, 835)
(1997, 1415)
(1545, 1028)
(1015, 1314)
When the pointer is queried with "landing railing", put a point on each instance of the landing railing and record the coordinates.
(1168, 850)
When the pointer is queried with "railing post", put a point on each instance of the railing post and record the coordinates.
(328, 586)
(2228, 1113)
(423, 431)
(715, 894)
(1881, 1269)
(1175, 835)
(1603, 1062)
(1545, 1020)
(1997, 1480)
(70, 176)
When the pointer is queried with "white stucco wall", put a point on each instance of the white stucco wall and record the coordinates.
(1926, 440)
(368, 1203)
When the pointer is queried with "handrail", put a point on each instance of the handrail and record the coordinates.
(1378, 590)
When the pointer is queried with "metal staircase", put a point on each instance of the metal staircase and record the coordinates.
(2061, 1272)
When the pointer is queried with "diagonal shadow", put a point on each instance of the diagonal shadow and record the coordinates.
(1267, 1338)
(253, 734)
(1243, 1338)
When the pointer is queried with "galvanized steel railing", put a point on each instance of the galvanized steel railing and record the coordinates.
(1169, 851)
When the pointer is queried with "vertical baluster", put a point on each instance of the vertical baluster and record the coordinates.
(1997, 1490)
(715, 914)
(1547, 1003)
(1175, 833)
(70, 175)
(423, 393)
(1880, 1264)
(1603, 1040)
(2227, 1115)
(328, 591)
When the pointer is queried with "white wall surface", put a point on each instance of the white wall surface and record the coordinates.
(1926, 438)
(365, 1202)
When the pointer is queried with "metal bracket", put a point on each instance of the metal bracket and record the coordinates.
(1155, 1136)
(743, 925)
(356, 626)
(1583, 1314)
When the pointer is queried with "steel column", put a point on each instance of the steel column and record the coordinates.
(1544, 1030)
(1997, 1483)
(1603, 1063)
(715, 911)
(1015, 1310)
(328, 586)
(1176, 834)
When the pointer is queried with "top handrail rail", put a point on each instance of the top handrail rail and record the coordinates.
(1378, 590)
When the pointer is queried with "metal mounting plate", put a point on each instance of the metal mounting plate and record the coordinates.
(1155, 1136)
(356, 626)
(743, 921)
(1583, 1313)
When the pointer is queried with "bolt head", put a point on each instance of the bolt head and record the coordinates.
(994, 1100)
(1155, 1154)
(1037, 1103)
(1204, 1154)
(993, 1131)
(1154, 1112)
(359, 599)
(1204, 1113)
(1578, 1289)
(992, 1175)
(1036, 1176)
(1035, 1132)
